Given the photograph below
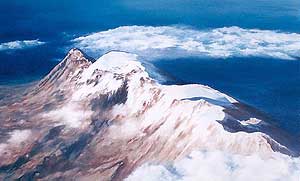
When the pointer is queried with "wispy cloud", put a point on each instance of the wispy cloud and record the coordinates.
(177, 41)
(20, 44)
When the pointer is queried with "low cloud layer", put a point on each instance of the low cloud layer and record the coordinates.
(15, 45)
(220, 166)
(174, 42)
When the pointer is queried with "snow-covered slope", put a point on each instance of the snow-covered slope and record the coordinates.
(102, 119)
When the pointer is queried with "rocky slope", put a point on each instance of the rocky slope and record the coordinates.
(100, 120)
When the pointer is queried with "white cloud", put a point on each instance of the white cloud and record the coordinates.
(14, 45)
(17, 137)
(220, 166)
(71, 115)
(175, 41)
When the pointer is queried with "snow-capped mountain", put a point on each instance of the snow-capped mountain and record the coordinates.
(103, 119)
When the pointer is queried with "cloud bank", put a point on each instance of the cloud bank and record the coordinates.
(220, 166)
(175, 41)
(15, 45)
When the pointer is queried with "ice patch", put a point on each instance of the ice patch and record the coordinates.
(175, 41)
(14, 45)
(221, 166)
(251, 121)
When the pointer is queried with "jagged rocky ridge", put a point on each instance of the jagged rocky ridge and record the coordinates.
(100, 120)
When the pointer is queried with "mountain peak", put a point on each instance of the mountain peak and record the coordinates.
(76, 54)
(75, 60)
